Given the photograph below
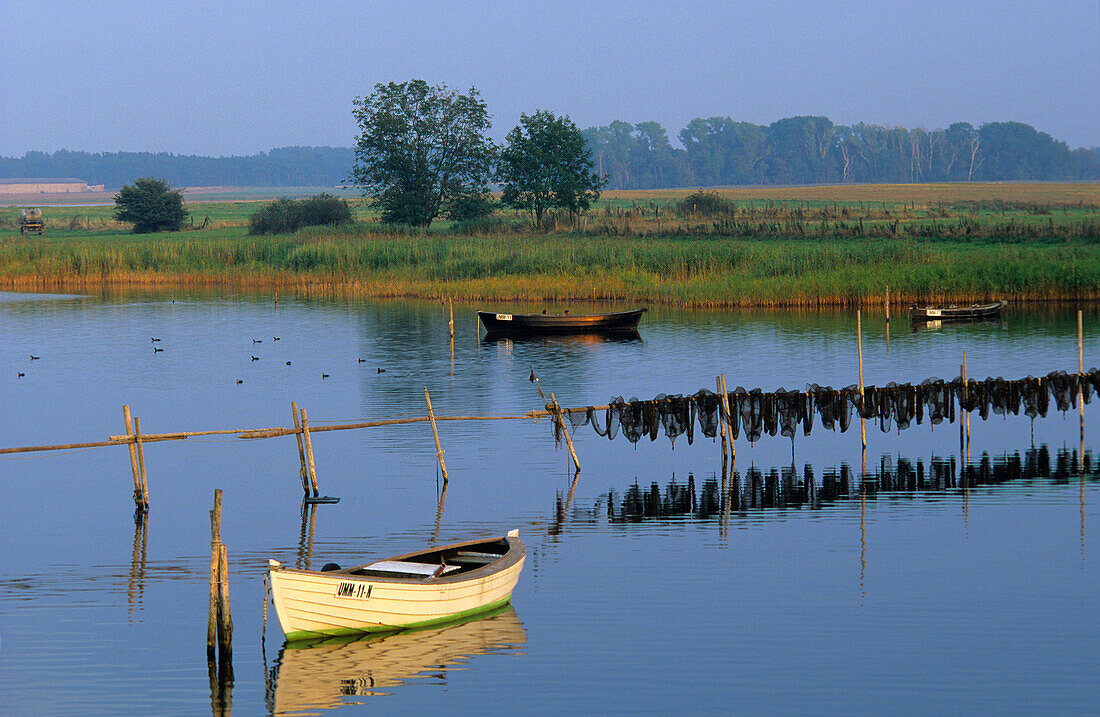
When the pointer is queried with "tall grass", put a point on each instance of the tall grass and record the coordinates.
(745, 250)
(689, 271)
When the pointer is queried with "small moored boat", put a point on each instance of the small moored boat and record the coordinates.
(560, 323)
(412, 590)
(952, 312)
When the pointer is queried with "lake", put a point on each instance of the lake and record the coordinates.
(803, 582)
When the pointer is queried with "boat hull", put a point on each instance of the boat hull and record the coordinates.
(956, 313)
(532, 324)
(311, 604)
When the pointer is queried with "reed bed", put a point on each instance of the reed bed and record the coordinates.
(686, 270)
(1028, 243)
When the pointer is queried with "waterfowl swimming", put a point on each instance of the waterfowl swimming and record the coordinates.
(151, 338)
(255, 358)
(287, 363)
(381, 370)
(21, 374)
(155, 349)
(274, 338)
(324, 375)
(257, 341)
(35, 358)
(239, 381)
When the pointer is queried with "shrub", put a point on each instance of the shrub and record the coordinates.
(324, 209)
(284, 216)
(468, 207)
(705, 203)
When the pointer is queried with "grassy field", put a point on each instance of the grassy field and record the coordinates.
(788, 246)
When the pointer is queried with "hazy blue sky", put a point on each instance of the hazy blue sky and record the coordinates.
(220, 78)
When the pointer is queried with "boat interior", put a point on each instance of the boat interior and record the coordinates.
(450, 560)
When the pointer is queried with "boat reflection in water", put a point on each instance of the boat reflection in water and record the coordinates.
(590, 338)
(937, 324)
(325, 674)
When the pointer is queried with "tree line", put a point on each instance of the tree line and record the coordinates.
(282, 167)
(716, 151)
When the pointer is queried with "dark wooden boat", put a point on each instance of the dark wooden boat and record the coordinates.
(530, 324)
(953, 312)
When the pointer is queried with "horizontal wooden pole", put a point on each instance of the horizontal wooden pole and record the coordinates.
(125, 440)
(67, 446)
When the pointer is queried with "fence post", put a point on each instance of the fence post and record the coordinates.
(435, 433)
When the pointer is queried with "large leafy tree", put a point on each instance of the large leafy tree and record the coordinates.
(151, 205)
(546, 163)
(420, 149)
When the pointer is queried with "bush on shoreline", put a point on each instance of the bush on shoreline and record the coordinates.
(285, 216)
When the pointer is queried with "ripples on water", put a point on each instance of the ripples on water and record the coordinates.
(796, 580)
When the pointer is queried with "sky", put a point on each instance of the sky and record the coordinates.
(225, 78)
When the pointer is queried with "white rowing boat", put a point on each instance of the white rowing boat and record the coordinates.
(412, 590)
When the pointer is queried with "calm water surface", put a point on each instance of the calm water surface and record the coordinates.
(653, 583)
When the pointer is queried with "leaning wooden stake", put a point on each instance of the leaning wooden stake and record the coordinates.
(215, 560)
(565, 431)
(859, 344)
(721, 416)
(309, 454)
(435, 433)
(726, 400)
(726, 403)
(133, 456)
(303, 472)
(141, 466)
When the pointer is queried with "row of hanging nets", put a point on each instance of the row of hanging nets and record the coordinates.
(755, 413)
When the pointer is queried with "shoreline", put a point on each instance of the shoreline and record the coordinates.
(334, 287)
(834, 245)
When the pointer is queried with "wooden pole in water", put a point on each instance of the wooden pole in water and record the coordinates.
(1080, 345)
(141, 466)
(721, 415)
(309, 454)
(215, 558)
(435, 433)
(966, 397)
(133, 455)
(225, 618)
(726, 402)
(302, 470)
(451, 306)
(564, 430)
(887, 318)
(1081, 374)
(859, 345)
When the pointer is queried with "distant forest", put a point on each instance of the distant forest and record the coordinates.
(284, 167)
(716, 152)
